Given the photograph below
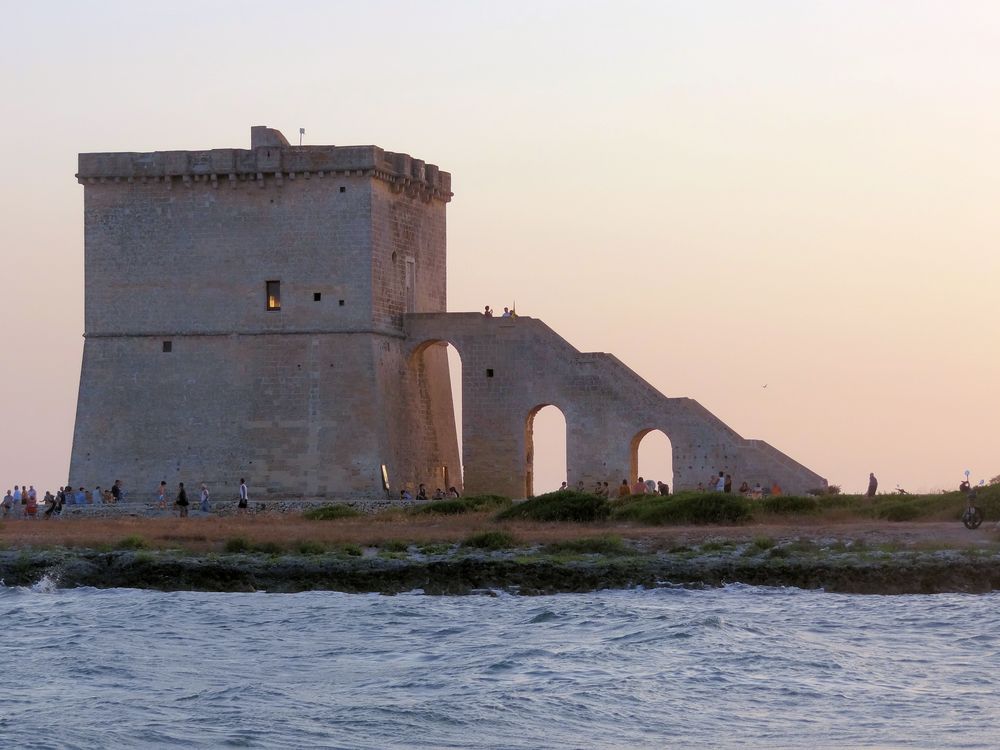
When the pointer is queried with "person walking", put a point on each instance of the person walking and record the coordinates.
(872, 485)
(241, 506)
(161, 496)
(205, 507)
(182, 500)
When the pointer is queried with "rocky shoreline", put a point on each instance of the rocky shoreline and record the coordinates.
(526, 572)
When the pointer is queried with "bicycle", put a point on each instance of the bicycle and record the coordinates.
(972, 518)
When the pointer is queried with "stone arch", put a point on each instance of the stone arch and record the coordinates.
(437, 387)
(418, 348)
(634, 455)
(529, 444)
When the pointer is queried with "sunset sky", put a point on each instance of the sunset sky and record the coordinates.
(722, 194)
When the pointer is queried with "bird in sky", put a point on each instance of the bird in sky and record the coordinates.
(764, 386)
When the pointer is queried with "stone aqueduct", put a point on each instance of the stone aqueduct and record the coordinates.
(513, 367)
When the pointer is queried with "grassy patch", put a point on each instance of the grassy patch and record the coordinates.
(566, 505)
(351, 550)
(686, 508)
(434, 549)
(308, 547)
(471, 504)
(238, 544)
(133, 541)
(394, 545)
(789, 504)
(493, 540)
(802, 546)
(762, 543)
(608, 544)
(330, 513)
(899, 512)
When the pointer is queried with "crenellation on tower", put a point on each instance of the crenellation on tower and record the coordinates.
(270, 163)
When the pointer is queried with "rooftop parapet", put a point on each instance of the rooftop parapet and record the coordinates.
(270, 156)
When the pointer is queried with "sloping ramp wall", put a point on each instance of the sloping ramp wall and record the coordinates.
(512, 367)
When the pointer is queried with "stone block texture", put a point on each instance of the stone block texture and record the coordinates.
(512, 367)
(189, 376)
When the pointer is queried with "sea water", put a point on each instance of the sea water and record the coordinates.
(731, 667)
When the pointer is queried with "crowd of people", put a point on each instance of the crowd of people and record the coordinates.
(406, 496)
(507, 312)
(721, 483)
(23, 500)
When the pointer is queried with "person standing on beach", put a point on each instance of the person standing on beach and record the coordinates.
(161, 495)
(205, 507)
(182, 500)
(244, 497)
(872, 485)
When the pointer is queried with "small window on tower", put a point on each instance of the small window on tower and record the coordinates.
(273, 292)
(168, 346)
(317, 296)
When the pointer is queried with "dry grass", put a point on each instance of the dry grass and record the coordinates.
(288, 531)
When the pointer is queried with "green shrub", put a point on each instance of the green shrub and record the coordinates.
(133, 541)
(351, 550)
(564, 505)
(831, 489)
(609, 544)
(330, 513)
(686, 507)
(789, 504)
(493, 540)
(762, 543)
(394, 545)
(237, 544)
(471, 504)
(309, 547)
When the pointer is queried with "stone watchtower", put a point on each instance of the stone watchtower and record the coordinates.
(244, 318)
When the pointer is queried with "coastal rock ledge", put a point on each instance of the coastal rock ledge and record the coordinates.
(464, 573)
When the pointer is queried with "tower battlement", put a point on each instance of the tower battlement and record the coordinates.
(269, 161)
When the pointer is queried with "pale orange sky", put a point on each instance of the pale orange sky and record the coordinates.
(721, 194)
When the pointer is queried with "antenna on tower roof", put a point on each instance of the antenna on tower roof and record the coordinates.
(302, 132)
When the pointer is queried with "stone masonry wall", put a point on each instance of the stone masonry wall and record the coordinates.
(187, 376)
(511, 367)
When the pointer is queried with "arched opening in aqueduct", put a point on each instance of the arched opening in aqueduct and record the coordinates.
(545, 449)
(428, 363)
(652, 457)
